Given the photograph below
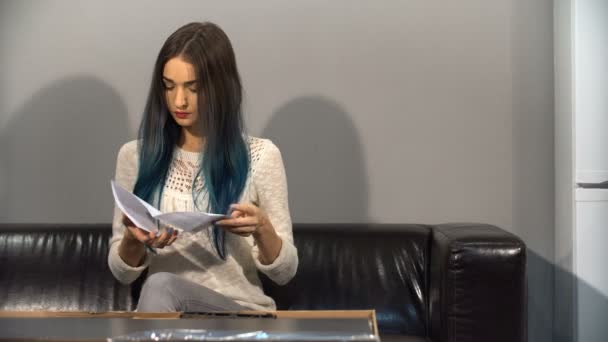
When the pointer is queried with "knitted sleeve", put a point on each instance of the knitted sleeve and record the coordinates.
(126, 175)
(271, 184)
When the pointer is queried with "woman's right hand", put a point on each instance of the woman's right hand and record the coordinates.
(166, 237)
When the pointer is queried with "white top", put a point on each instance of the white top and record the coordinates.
(193, 255)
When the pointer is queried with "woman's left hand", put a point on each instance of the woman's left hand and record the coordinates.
(246, 220)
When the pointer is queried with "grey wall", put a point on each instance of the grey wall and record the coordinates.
(412, 111)
(533, 155)
(564, 173)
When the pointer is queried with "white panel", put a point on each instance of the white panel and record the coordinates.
(591, 82)
(591, 258)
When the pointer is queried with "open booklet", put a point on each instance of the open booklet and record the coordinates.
(146, 217)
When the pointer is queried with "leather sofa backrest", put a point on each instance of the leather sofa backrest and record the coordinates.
(342, 266)
(58, 267)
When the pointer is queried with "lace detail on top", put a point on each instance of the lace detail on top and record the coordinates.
(256, 147)
(185, 165)
(181, 175)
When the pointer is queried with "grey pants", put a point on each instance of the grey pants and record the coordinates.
(167, 292)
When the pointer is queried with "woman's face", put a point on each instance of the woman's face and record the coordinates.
(181, 91)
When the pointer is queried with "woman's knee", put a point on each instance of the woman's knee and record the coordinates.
(157, 295)
(159, 282)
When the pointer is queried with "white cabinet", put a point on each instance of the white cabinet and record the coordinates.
(591, 264)
(581, 157)
(590, 78)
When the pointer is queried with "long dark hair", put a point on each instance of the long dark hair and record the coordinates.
(225, 159)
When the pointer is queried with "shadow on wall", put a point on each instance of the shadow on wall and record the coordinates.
(592, 305)
(540, 308)
(324, 161)
(58, 153)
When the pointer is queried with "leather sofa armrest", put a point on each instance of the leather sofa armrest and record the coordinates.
(478, 284)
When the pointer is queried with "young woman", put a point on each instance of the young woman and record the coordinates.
(192, 155)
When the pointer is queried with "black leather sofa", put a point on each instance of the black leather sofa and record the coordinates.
(452, 282)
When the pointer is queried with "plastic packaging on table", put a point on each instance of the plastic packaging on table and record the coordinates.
(216, 336)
